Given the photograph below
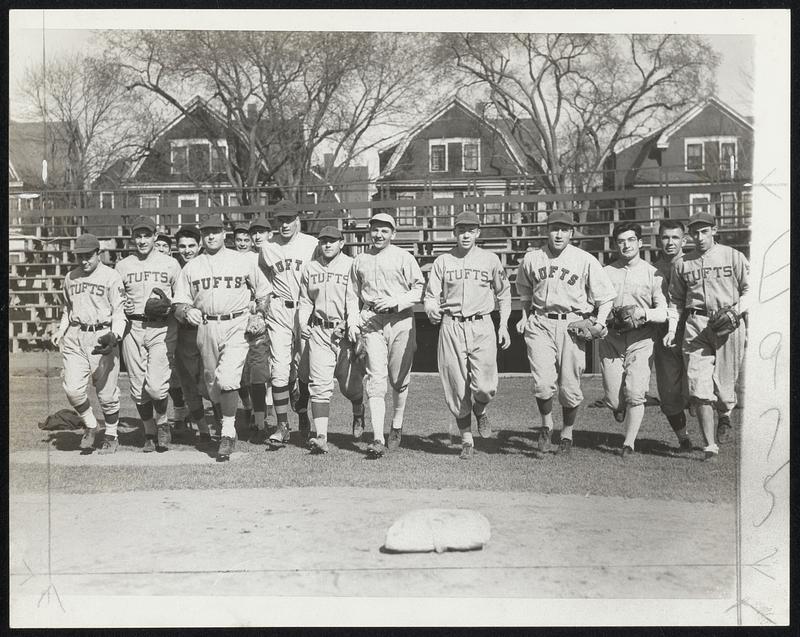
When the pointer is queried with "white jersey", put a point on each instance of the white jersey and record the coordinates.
(94, 298)
(282, 262)
(326, 291)
(141, 276)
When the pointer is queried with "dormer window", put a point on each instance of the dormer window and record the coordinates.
(454, 154)
(197, 157)
(714, 153)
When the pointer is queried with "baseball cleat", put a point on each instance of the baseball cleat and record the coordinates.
(619, 414)
(279, 438)
(110, 445)
(455, 440)
(149, 444)
(164, 437)
(626, 452)
(87, 441)
(544, 440)
(711, 456)
(724, 430)
(564, 447)
(685, 446)
(394, 439)
(484, 425)
(226, 446)
(376, 449)
(467, 450)
(318, 445)
(258, 437)
(204, 440)
(358, 427)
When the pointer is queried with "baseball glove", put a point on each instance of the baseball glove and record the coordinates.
(158, 306)
(724, 321)
(256, 326)
(105, 344)
(587, 329)
(626, 317)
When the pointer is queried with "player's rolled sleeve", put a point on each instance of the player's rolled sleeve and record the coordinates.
(742, 268)
(502, 290)
(416, 281)
(116, 298)
(433, 290)
(306, 306)
(524, 284)
(183, 289)
(259, 284)
(600, 287)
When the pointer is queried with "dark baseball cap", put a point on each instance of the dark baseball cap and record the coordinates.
(241, 226)
(143, 223)
(260, 222)
(467, 219)
(330, 232)
(188, 231)
(212, 221)
(702, 218)
(559, 216)
(284, 209)
(86, 243)
(163, 236)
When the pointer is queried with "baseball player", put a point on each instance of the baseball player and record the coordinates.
(711, 277)
(163, 243)
(282, 259)
(255, 375)
(188, 362)
(260, 233)
(461, 292)
(93, 308)
(668, 361)
(627, 349)
(213, 293)
(145, 343)
(388, 282)
(328, 303)
(559, 284)
(241, 237)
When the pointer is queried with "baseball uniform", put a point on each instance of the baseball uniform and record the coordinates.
(625, 356)
(558, 289)
(700, 284)
(465, 289)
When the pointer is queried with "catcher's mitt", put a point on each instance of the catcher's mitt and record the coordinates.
(626, 317)
(724, 321)
(158, 306)
(105, 344)
(256, 326)
(587, 329)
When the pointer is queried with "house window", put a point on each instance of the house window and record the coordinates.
(492, 213)
(149, 201)
(233, 200)
(405, 214)
(438, 154)
(215, 201)
(659, 207)
(106, 199)
(727, 157)
(694, 156)
(177, 158)
(727, 209)
(197, 157)
(199, 160)
(472, 160)
(188, 201)
(219, 156)
(698, 203)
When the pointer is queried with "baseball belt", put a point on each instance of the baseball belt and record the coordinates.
(388, 310)
(145, 319)
(328, 325)
(84, 327)
(289, 304)
(466, 319)
(698, 311)
(222, 317)
(560, 317)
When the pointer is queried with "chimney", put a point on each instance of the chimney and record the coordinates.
(252, 111)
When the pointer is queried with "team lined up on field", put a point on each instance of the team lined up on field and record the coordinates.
(332, 319)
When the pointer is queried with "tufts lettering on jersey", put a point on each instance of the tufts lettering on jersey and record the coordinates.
(285, 265)
(147, 275)
(555, 272)
(321, 278)
(694, 275)
(468, 274)
(79, 287)
(215, 282)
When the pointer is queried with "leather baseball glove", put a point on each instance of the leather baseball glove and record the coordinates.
(724, 321)
(105, 344)
(256, 326)
(626, 317)
(158, 306)
(587, 329)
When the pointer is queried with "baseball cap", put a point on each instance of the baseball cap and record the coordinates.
(188, 231)
(559, 216)
(702, 217)
(163, 236)
(384, 218)
(241, 226)
(467, 219)
(86, 243)
(330, 232)
(260, 222)
(212, 221)
(284, 209)
(143, 223)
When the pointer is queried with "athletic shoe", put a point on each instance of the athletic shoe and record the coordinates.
(164, 437)
(204, 440)
(278, 439)
(484, 425)
(685, 446)
(724, 430)
(226, 445)
(110, 445)
(455, 440)
(565, 446)
(544, 440)
(394, 439)
(318, 445)
(149, 444)
(626, 452)
(619, 414)
(87, 442)
(376, 449)
(358, 427)
(466, 451)
(711, 456)
(258, 437)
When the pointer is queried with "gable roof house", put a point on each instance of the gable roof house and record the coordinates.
(710, 146)
(455, 153)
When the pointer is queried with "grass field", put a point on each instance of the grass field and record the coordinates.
(508, 462)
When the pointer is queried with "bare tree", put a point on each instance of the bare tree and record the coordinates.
(102, 121)
(281, 98)
(569, 99)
